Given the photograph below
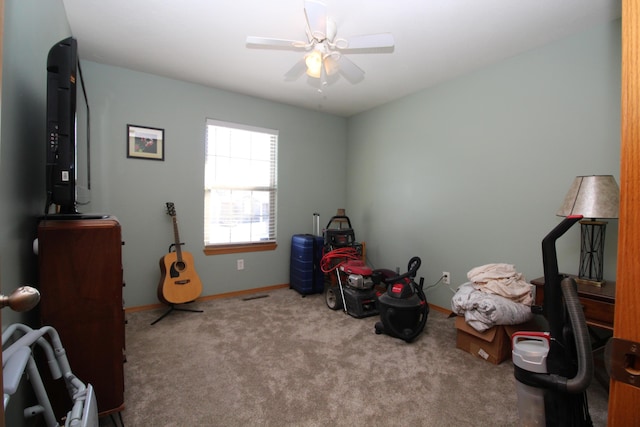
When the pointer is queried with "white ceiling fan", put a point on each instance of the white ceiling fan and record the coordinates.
(325, 52)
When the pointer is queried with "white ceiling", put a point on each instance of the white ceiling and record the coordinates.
(203, 41)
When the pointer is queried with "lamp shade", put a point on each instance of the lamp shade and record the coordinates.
(592, 196)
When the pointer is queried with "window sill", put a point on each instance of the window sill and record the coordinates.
(234, 249)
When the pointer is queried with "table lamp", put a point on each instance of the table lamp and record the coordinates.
(593, 197)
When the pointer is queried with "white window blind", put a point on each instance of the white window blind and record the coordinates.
(240, 187)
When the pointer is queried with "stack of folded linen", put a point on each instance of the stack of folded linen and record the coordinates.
(496, 294)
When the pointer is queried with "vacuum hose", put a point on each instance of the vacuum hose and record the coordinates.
(412, 269)
(583, 377)
(581, 336)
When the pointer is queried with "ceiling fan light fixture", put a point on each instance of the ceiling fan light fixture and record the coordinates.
(326, 51)
(313, 60)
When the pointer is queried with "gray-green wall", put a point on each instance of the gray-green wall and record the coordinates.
(474, 170)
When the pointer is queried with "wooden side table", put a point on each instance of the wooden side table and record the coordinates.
(598, 303)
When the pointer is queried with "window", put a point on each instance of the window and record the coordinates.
(240, 188)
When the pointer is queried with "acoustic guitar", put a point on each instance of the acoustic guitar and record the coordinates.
(179, 282)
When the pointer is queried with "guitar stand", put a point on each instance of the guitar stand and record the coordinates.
(172, 307)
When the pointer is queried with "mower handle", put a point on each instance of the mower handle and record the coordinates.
(333, 218)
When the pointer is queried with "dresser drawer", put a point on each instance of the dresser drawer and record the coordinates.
(598, 313)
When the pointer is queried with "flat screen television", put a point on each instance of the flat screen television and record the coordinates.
(67, 162)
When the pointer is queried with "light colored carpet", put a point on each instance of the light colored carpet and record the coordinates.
(285, 360)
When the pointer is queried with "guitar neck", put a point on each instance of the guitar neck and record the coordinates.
(176, 236)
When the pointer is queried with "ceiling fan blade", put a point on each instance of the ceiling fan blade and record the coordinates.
(296, 71)
(349, 70)
(316, 15)
(275, 43)
(370, 41)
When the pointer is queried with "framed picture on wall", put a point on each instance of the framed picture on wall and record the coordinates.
(145, 142)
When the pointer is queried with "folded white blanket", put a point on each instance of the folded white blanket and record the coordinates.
(502, 279)
(484, 310)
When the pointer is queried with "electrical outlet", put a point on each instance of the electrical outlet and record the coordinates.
(240, 264)
(446, 277)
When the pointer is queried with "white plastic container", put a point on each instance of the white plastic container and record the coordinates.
(529, 352)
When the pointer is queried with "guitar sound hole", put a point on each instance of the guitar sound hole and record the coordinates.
(180, 266)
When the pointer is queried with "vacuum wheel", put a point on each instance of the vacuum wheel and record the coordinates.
(332, 298)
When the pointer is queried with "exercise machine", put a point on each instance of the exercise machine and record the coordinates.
(554, 369)
(18, 343)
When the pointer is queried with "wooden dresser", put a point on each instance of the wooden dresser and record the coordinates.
(81, 280)
(598, 303)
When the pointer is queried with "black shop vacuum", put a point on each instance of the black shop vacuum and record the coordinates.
(554, 369)
(403, 307)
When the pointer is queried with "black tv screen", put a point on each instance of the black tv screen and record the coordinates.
(61, 127)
